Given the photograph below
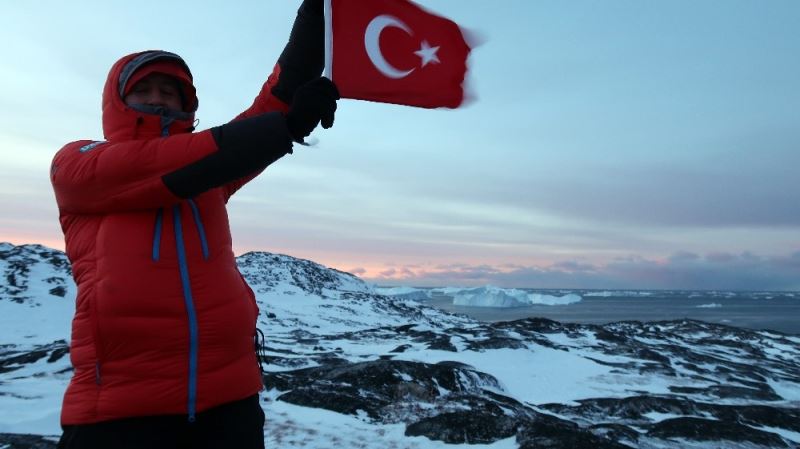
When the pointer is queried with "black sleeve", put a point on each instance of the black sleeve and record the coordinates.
(245, 146)
(303, 58)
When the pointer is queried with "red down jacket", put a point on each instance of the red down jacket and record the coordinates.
(164, 321)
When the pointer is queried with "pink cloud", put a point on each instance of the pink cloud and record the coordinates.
(682, 270)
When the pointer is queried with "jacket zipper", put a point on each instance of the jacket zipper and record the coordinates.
(183, 267)
(190, 311)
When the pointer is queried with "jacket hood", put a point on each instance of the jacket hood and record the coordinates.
(123, 122)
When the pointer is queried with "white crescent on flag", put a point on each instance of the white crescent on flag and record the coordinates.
(372, 43)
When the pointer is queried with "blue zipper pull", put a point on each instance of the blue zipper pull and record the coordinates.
(200, 229)
(157, 235)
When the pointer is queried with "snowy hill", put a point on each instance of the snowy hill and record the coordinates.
(349, 367)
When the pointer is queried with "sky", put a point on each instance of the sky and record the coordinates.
(617, 144)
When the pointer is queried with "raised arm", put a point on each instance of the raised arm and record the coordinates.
(127, 175)
(300, 62)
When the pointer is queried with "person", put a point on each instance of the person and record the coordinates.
(163, 333)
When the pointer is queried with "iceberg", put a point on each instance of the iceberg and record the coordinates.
(491, 296)
(410, 293)
(549, 300)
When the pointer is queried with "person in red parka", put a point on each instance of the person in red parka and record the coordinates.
(162, 337)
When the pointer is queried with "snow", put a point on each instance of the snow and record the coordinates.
(588, 339)
(41, 325)
(780, 351)
(789, 391)
(538, 376)
(46, 422)
(32, 402)
(47, 317)
(289, 425)
(491, 296)
(658, 417)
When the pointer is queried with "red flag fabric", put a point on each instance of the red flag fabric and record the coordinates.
(394, 51)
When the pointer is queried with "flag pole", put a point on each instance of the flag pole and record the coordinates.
(328, 41)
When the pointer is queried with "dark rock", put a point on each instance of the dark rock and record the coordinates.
(484, 426)
(434, 340)
(57, 353)
(630, 409)
(549, 432)
(765, 393)
(496, 343)
(58, 291)
(14, 359)
(615, 432)
(649, 354)
(611, 337)
(758, 415)
(25, 441)
(340, 398)
(699, 429)
(542, 325)
(471, 419)
(442, 344)
(404, 328)
(372, 386)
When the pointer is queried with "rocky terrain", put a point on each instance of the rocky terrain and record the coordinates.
(348, 367)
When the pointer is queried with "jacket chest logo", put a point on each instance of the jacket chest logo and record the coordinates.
(90, 146)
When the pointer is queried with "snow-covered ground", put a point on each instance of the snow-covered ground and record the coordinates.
(351, 366)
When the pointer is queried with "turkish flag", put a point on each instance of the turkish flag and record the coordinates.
(394, 51)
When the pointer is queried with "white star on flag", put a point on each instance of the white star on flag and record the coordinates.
(427, 53)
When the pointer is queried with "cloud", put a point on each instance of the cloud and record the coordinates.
(680, 271)
(358, 271)
(734, 184)
(388, 273)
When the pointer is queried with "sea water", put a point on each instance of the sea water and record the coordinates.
(778, 311)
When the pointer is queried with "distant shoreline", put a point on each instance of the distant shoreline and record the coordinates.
(755, 314)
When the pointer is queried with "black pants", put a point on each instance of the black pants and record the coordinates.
(238, 424)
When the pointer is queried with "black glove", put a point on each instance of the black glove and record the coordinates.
(303, 57)
(314, 102)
